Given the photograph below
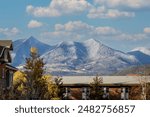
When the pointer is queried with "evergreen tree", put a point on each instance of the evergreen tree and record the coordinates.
(96, 92)
(34, 70)
(60, 89)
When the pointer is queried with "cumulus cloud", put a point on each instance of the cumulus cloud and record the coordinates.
(103, 12)
(58, 8)
(134, 4)
(74, 26)
(9, 31)
(116, 8)
(78, 30)
(34, 24)
(147, 30)
(106, 31)
(134, 37)
(83, 28)
(97, 9)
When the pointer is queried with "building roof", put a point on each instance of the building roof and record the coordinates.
(107, 80)
(11, 67)
(6, 43)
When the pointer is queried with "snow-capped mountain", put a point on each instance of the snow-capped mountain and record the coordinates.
(79, 58)
(22, 49)
(143, 50)
(142, 54)
(86, 58)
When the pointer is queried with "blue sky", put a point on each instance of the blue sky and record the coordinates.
(120, 24)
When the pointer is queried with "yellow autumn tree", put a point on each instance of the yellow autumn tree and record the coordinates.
(19, 85)
(49, 91)
(33, 83)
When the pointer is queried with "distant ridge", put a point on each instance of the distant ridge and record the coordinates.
(135, 70)
(86, 58)
(142, 54)
(22, 49)
(79, 58)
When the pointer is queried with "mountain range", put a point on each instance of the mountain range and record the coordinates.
(79, 58)
(22, 49)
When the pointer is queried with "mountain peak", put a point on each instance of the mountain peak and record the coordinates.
(93, 43)
(92, 40)
(31, 40)
(22, 49)
(31, 37)
(67, 43)
(142, 49)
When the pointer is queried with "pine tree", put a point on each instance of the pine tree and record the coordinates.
(34, 70)
(60, 89)
(96, 92)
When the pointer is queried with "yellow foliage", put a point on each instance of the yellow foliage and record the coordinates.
(33, 50)
(20, 88)
(52, 92)
(47, 77)
(19, 77)
(50, 89)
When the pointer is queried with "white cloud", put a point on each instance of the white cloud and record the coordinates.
(147, 30)
(34, 24)
(134, 4)
(106, 31)
(103, 12)
(59, 8)
(42, 11)
(77, 30)
(75, 26)
(80, 30)
(101, 8)
(134, 37)
(83, 28)
(117, 8)
(9, 32)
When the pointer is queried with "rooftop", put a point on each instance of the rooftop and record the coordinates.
(6, 43)
(107, 80)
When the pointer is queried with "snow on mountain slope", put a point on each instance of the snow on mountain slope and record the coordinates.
(143, 50)
(89, 57)
(75, 58)
(68, 53)
(142, 54)
(22, 49)
(96, 50)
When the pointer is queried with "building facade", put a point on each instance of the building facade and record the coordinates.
(6, 70)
